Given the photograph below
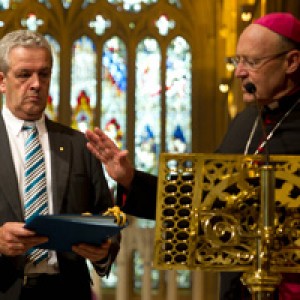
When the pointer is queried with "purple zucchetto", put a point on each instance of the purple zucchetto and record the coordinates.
(282, 23)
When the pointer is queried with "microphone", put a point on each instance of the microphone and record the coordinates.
(251, 89)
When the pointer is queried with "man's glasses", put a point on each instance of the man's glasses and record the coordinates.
(254, 63)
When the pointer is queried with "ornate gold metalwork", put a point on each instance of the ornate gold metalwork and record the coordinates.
(115, 211)
(229, 213)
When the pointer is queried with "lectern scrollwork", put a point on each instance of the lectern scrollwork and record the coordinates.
(230, 213)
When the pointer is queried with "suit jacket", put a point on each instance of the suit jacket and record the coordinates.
(78, 184)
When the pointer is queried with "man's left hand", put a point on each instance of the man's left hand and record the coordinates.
(91, 252)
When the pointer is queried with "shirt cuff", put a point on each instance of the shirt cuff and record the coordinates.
(103, 266)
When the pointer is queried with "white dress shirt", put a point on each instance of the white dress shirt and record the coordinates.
(16, 140)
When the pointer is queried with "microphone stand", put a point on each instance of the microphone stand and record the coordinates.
(262, 282)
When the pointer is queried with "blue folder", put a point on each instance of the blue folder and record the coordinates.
(66, 230)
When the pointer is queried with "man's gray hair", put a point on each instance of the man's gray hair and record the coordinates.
(21, 38)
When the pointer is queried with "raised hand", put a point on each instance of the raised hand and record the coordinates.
(116, 161)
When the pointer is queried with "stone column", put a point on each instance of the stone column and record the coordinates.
(122, 290)
(171, 285)
(205, 285)
(146, 287)
(145, 248)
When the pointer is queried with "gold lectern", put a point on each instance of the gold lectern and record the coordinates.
(230, 213)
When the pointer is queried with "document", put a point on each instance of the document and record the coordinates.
(66, 230)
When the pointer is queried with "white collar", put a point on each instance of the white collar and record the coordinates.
(15, 124)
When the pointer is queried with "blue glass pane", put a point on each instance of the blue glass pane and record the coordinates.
(132, 5)
(178, 97)
(177, 3)
(46, 3)
(86, 3)
(148, 102)
(114, 88)
(83, 78)
(66, 3)
(4, 4)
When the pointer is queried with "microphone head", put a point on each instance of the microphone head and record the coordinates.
(250, 87)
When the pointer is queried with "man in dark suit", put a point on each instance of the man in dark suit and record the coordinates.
(75, 182)
(268, 65)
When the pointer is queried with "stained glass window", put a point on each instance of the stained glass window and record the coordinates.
(178, 97)
(132, 5)
(148, 101)
(99, 24)
(164, 25)
(114, 88)
(137, 5)
(46, 2)
(4, 4)
(54, 95)
(177, 3)
(156, 115)
(66, 3)
(32, 22)
(83, 92)
(87, 2)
